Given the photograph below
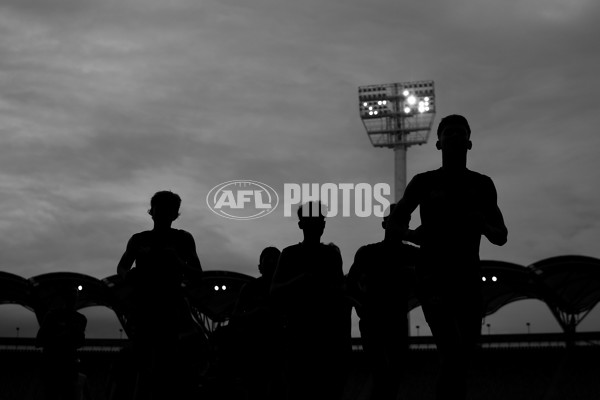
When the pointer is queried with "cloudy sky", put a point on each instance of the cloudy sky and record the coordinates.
(102, 103)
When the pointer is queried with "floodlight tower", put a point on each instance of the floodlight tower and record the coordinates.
(397, 116)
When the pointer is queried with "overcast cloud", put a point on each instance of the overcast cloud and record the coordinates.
(102, 103)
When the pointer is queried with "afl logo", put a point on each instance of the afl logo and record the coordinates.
(242, 199)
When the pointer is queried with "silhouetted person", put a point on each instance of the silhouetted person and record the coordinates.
(380, 280)
(260, 331)
(308, 288)
(457, 207)
(163, 257)
(61, 333)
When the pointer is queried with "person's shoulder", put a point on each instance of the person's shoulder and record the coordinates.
(183, 234)
(427, 175)
(80, 317)
(331, 250)
(294, 248)
(480, 179)
(478, 175)
(433, 172)
(370, 248)
(140, 235)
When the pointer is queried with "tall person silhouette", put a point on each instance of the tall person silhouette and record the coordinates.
(259, 332)
(308, 289)
(457, 207)
(163, 256)
(380, 280)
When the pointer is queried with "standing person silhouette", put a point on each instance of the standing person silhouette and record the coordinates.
(163, 256)
(457, 207)
(259, 332)
(380, 280)
(308, 289)
(61, 333)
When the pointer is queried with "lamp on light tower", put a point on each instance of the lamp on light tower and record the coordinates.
(397, 116)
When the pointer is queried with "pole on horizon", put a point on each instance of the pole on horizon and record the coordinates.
(397, 116)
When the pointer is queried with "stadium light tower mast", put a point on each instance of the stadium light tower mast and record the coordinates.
(397, 116)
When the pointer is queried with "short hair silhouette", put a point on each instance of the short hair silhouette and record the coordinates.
(166, 200)
(269, 253)
(311, 207)
(453, 119)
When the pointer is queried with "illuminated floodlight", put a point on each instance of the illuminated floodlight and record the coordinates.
(397, 114)
(483, 278)
(80, 288)
(216, 288)
(494, 278)
(224, 287)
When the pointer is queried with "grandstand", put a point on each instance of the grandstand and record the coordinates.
(542, 366)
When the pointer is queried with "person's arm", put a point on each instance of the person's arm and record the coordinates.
(127, 259)
(354, 288)
(192, 265)
(415, 236)
(240, 304)
(41, 338)
(353, 280)
(79, 330)
(493, 228)
(399, 219)
(284, 281)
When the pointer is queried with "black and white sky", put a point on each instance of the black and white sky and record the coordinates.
(102, 103)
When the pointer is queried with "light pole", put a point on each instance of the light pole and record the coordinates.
(397, 116)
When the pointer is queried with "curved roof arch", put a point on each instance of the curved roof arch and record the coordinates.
(573, 282)
(216, 295)
(48, 288)
(504, 283)
(15, 290)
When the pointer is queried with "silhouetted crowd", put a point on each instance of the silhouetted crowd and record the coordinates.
(289, 336)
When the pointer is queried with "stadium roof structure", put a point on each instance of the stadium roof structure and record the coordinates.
(504, 283)
(15, 290)
(49, 288)
(569, 285)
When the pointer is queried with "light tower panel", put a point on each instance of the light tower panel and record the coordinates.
(397, 114)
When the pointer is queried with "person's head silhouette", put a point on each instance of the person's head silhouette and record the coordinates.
(386, 216)
(454, 136)
(311, 219)
(164, 208)
(268, 261)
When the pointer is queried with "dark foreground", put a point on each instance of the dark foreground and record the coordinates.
(512, 373)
